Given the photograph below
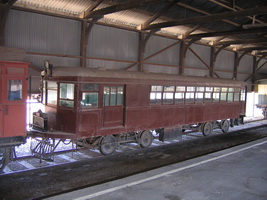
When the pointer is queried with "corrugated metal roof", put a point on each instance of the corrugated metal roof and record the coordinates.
(133, 18)
(68, 7)
(76, 8)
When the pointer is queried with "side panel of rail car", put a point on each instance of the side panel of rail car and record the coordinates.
(89, 106)
(13, 98)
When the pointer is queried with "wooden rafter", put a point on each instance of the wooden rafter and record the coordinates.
(210, 18)
(201, 60)
(91, 8)
(229, 33)
(233, 8)
(256, 68)
(158, 14)
(204, 12)
(154, 54)
(248, 41)
(249, 49)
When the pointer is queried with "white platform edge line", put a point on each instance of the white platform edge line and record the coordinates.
(90, 196)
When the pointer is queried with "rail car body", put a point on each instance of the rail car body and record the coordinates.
(105, 107)
(13, 95)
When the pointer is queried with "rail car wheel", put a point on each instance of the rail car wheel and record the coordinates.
(207, 129)
(146, 138)
(225, 126)
(108, 145)
(5, 154)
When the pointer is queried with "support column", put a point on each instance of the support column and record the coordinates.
(83, 44)
(255, 65)
(182, 58)
(85, 32)
(143, 39)
(4, 10)
(236, 64)
(141, 51)
(212, 61)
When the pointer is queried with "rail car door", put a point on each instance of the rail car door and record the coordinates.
(113, 105)
(13, 98)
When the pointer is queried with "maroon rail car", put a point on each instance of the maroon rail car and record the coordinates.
(103, 108)
(13, 84)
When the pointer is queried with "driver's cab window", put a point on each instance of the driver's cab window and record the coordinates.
(66, 95)
(51, 92)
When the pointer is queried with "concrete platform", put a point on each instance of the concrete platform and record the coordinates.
(236, 173)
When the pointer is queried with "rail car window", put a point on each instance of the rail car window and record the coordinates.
(223, 96)
(14, 90)
(66, 95)
(113, 95)
(190, 95)
(168, 94)
(51, 93)
(89, 95)
(119, 95)
(237, 94)
(89, 100)
(230, 96)
(156, 94)
(199, 94)
(179, 94)
(208, 94)
(216, 94)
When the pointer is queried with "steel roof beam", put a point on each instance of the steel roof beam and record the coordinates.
(119, 7)
(210, 18)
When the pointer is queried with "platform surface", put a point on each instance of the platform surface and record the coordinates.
(236, 173)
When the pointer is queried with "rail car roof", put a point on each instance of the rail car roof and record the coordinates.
(134, 75)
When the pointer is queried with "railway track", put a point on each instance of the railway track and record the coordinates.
(75, 175)
(69, 153)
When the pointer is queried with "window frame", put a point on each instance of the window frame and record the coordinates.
(181, 92)
(10, 84)
(165, 92)
(189, 93)
(46, 91)
(117, 101)
(94, 90)
(158, 101)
